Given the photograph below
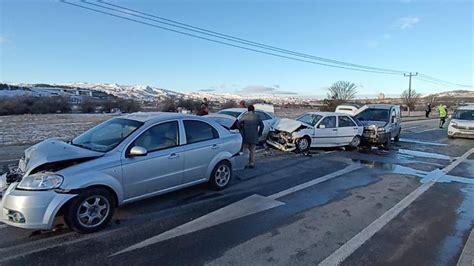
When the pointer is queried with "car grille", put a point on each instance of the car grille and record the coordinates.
(466, 127)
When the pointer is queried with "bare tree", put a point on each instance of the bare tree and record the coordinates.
(342, 91)
(339, 92)
(410, 99)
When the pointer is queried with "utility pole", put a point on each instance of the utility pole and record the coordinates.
(409, 75)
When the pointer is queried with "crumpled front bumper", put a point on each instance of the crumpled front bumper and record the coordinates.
(38, 208)
(374, 138)
(281, 140)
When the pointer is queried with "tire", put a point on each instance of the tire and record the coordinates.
(303, 144)
(388, 142)
(96, 201)
(397, 138)
(355, 142)
(221, 176)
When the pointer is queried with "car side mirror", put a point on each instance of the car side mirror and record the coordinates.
(137, 151)
(321, 126)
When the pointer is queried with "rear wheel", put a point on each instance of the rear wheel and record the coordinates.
(90, 211)
(397, 138)
(303, 144)
(221, 176)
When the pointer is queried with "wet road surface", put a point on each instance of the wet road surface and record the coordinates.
(411, 205)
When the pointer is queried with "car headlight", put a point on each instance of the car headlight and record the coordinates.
(41, 181)
(454, 124)
(380, 129)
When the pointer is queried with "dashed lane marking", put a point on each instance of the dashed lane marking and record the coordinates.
(250, 205)
(358, 240)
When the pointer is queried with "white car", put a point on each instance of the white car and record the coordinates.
(462, 123)
(268, 118)
(350, 109)
(316, 129)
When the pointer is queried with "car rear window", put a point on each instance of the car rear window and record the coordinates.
(197, 131)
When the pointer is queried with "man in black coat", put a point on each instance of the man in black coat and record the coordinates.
(251, 127)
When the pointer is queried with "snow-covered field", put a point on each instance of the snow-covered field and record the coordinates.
(30, 129)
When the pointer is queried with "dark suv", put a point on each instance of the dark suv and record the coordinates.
(381, 124)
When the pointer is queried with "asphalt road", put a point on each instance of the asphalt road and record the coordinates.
(411, 205)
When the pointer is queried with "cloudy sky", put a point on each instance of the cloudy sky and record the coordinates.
(52, 42)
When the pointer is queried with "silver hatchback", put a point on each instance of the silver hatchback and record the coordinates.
(122, 160)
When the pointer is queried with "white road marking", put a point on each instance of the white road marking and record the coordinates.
(426, 130)
(239, 209)
(6, 161)
(424, 154)
(409, 128)
(467, 255)
(314, 182)
(358, 240)
(242, 208)
(422, 142)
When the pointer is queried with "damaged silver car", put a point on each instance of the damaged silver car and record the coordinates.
(316, 129)
(122, 160)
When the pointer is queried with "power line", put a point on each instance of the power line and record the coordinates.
(223, 43)
(232, 38)
(426, 77)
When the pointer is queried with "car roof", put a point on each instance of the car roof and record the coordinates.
(327, 113)
(381, 106)
(156, 116)
(239, 110)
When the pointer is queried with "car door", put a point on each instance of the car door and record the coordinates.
(161, 168)
(268, 121)
(325, 132)
(202, 145)
(346, 129)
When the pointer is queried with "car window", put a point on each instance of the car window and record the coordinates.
(263, 116)
(231, 113)
(328, 122)
(197, 131)
(159, 137)
(345, 121)
(310, 119)
(464, 115)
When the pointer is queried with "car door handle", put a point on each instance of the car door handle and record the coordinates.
(215, 146)
(334, 129)
(173, 156)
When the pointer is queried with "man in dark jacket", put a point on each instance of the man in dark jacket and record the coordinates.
(251, 127)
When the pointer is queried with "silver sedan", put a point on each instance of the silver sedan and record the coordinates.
(122, 160)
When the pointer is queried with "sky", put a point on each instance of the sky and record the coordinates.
(47, 41)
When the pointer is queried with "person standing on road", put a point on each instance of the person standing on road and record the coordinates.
(443, 114)
(204, 108)
(251, 127)
(428, 110)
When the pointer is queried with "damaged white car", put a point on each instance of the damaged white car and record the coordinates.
(316, 129)
(122, 160)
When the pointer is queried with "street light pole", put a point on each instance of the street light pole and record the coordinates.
(409, 75)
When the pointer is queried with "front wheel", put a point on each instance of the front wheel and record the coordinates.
(303, 144)
(388, 142)
(90, 211)
(355, 142)
(397, 138)
(221, 176)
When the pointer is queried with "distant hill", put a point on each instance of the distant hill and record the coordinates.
(451, 94)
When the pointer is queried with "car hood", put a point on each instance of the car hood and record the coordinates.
(287, 125)
(463, 122)
(53, 150)
(375, 123)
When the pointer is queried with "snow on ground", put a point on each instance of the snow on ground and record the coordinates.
(30, 129)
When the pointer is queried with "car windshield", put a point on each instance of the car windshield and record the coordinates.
(373, 114)
(107, 135)
(231, 113)
(310, 119)
(464, 114)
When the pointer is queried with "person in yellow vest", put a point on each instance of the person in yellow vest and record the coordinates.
(443, 114)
